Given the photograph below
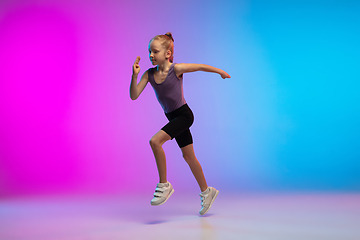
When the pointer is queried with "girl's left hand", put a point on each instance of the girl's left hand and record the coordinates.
(225, 75)
(136, 66)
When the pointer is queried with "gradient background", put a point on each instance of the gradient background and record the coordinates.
(287, 120)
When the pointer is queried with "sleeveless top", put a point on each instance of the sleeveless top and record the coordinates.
(169, 93)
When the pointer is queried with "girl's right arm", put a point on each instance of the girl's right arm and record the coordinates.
(136, 89)
(181, 68)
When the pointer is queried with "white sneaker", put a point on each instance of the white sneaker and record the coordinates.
(207, 199)
(162, 193)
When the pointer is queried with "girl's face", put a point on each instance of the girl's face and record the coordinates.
(157, 53)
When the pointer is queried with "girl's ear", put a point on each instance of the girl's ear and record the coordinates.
(168, 54)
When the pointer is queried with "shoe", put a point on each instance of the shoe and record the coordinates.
(162, 193)
(207, 199)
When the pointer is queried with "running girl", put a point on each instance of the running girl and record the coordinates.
(167, 80)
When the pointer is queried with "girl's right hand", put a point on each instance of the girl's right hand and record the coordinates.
(136, 66)
(224, 75)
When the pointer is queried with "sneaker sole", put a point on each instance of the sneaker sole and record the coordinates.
(212, 201)
(158, 204)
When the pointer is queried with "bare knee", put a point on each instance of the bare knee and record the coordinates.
(159, 139)
(154, 142)
(189, 158)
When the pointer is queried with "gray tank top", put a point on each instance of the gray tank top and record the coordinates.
(169, 93)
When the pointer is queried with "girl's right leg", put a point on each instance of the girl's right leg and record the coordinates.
(163, 189)
(156, 143)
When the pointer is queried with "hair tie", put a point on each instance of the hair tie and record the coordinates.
(168, 34)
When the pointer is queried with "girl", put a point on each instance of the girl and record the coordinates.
(167, 80)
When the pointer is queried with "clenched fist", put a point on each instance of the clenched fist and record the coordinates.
(136, 66)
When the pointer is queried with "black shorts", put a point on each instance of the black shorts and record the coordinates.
(180, 121)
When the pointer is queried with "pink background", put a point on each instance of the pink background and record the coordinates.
(67, 123)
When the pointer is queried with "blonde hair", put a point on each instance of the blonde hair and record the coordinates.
(167, 41)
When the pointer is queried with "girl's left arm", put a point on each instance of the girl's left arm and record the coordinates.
(181, 68)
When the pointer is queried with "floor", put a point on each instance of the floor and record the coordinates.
(268, 216)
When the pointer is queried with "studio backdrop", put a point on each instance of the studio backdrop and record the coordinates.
(286, 120)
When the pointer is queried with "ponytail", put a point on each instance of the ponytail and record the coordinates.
(169, 35)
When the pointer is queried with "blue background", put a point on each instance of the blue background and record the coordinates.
(288, 119)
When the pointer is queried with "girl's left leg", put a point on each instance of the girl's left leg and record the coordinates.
(190, 158)
(208, 194)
